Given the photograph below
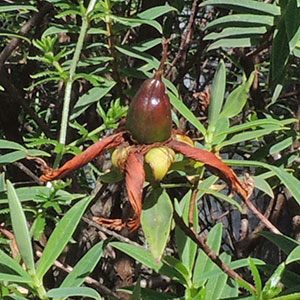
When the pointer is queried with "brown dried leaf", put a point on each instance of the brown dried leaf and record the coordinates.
(135, 178)
(82, 159)
(210, 159)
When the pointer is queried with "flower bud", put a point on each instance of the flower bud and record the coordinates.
(160, 159)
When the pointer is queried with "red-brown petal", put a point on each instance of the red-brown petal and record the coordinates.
(82, 159)
(210, 159)
(135, 178)
(114, 224)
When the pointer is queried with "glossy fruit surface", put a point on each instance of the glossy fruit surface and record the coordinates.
(149, 115)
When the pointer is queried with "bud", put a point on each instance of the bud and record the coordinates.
(160, 159)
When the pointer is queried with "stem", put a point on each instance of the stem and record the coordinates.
(76, 56)
(111, 46)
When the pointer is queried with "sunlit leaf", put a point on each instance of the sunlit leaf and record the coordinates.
(156, 221)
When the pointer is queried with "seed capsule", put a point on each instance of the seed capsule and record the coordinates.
(149, 115)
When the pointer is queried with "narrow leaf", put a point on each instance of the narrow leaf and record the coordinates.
(72, 292)
(245, 5)
(61, 236)
(186, 112)
(241, 20)
(237, 99)
(84, 267)
(20, 228)
(216, 99)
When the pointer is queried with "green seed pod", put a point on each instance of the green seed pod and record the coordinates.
(160, 159)
(149, 115)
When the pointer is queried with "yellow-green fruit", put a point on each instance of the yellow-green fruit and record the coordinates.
(184, 139)
(160, 159)
(119, 157)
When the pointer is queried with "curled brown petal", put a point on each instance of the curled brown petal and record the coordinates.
(82, 159)
(211, 160)
(114, 224)
(135, 178)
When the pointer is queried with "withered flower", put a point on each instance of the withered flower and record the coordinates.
(147, 136)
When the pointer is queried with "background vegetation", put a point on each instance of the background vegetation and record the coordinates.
(68, 70)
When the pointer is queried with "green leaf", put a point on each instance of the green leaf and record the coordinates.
(245, 6)
(233, 43)
(136, 293)
(12, 157)
(263, 185)
(10, 7)
(92, 96)
(255, 275)
(4, 144)
(61, 236)
(156, 221)
(243, 20)
(217, 286)
(237, 99)
(20, 228)
(272, 287)
(236, 32)
(216, 100)
(247, 136)
(254, 124)
(281, 145)
(279, 55)
(292, 24)
(130, 51)
(221, 196)
(203, 262)
(294, 296)
(9, 264)
(290, 181)
(84, 267)
(177, 265)
(72, 292)
(186, 112)
(155, 12)
(12, 34)
(285, 243)
(147, 259)
(294, 255)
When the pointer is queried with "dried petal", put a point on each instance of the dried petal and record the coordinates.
(114, 224)
(210, 159)
(135, 178)
(82, 159)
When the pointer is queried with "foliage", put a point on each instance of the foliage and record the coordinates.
(68, 70)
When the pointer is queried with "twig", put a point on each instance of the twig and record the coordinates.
(111, 233)
(28, 172)
(262, 218)
(209, 252)
(6, 52)
(185, 43)
(89, 280)
(111, 46)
